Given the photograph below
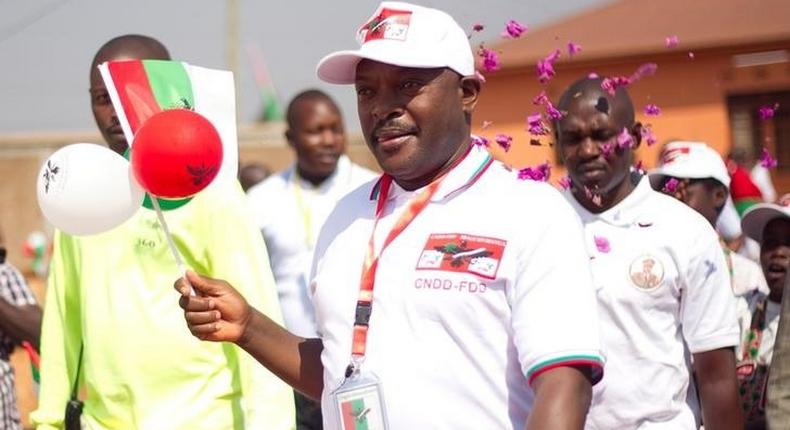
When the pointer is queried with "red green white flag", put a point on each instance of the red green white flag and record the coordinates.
(354, 414)
(139, 89)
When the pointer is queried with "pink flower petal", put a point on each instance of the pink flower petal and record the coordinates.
(611, 84)
(490, 59)
(540, 172)
(625, 140)
(565, 182)
(671, 186)
(487, 124)
(513, 29)
(602, 244)
(480, 141)
(607, 148)
(551, 111)
(691, 55)
(504, 141)
(545, 67)
(767, 112)
(647, 69)
(574, 48)
(652, 110)
(766, 160)
(593, 75)
(671, 41)
(647, 135)
(540, 99)
(536, 126)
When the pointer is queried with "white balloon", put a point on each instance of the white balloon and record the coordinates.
(85, 189)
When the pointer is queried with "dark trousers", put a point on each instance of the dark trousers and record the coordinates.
(308, 413)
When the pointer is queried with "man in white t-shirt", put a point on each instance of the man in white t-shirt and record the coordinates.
(661, 279)
(291, 206)
(483, 313)
(702, 182)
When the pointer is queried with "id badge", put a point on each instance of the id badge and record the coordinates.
(358, 403)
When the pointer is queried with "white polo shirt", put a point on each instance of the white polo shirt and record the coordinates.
(485, 289)
(290, 212)
(663, 287)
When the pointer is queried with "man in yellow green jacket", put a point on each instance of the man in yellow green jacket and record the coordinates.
(139, 368)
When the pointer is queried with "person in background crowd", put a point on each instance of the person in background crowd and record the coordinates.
(20, 321)
(291, 206)
(769, 225)
(110, 326)
(778, 408)
(702, 182)
(660, 275)
(251, 174)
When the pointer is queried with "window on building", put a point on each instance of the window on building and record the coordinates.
(750, 133)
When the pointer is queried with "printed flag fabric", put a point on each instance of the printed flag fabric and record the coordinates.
(139, 89)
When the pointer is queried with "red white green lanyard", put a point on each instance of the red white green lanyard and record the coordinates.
(368, 281)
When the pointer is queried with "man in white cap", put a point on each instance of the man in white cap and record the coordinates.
(483, 314)
(702, 182)
(769, 225)
(778, 407)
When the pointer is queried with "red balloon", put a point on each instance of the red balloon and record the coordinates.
(176, 153)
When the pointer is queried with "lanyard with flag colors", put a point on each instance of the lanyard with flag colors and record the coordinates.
(368, 281)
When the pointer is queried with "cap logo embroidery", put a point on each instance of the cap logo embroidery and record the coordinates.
(389, 24)
(672, 154)
(646, 272)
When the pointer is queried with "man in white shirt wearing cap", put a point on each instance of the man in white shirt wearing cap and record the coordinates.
(291, 206)
(769, 225)
(778, 405)
(660, 275)
(483, 313)
(702, 182)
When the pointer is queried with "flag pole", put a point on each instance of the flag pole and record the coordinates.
(179, 261)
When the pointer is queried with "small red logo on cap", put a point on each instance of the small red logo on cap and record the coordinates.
(671, 154)
(389, 24)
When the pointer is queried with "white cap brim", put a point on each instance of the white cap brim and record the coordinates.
(757, 217)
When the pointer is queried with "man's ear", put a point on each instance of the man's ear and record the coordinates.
(720, 194)
(636, 133)
(470, 92)
(289, 137)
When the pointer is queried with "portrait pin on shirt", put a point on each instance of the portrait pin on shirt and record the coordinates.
(358, 399)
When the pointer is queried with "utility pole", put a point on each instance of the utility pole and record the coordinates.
(233, 42)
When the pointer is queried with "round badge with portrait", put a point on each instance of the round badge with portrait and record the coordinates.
(646, 272)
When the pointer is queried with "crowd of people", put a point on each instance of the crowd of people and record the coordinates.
(445, 293)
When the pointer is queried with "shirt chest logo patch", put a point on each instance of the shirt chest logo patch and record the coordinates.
(464, 253)
(646, 272)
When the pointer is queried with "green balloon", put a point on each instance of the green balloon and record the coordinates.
(164, 204)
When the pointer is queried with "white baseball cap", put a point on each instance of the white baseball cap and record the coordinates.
(691, 160)
(407, 35)
(758, 216)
